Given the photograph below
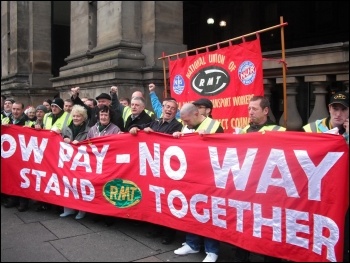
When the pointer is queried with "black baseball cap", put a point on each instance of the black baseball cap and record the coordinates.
(341, 98)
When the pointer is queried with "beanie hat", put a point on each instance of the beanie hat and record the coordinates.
(58, 102)
(43, 108)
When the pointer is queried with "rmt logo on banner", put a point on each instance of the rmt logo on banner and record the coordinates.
(210, 81)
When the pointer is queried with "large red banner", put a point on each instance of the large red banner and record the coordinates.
(228, 77)
(286, 198)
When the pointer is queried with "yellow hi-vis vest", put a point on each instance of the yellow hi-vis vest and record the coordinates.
(265, 128)
(61, 123)
(127, 113)
(208, 125)
(318, 126)
(6, 120)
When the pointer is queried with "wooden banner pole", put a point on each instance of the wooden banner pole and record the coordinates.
(226, 41)
(284, 76)
(164, 76)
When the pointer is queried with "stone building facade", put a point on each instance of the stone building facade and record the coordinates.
(120, 43)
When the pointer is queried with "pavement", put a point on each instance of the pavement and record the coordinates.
(43, 236)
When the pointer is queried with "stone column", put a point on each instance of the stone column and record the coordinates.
(129, 38)
(268, 84)
(40, 51)
(26, 54)
(14, 49)
(320, 109)
(293, 120)
(80, 34)
(105, 56)
(162, 31)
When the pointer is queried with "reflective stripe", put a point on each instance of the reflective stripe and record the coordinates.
(60, 123)
(265, 128)
(150, 113)
(126, 113)
(208, 125)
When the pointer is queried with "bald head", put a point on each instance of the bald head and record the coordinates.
(137, 94)
(190, 115)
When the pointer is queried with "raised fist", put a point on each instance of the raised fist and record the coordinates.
(114, 89)
(75, 90)
(151, 87)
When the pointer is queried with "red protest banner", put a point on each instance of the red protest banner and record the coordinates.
(228, 76)
(286, 198)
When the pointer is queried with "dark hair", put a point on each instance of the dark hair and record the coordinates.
(169, 99)
(19, 103)
(263, 103)
(124, 98)
(48, 101)
(108, 110)
(93, 101)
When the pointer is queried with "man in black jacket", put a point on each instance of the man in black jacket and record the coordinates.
(167, 124)
(138, 115)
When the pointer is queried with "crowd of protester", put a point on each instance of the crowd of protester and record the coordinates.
(77, 119)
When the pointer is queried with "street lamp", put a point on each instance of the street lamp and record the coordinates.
(222, 23)
(210, 21)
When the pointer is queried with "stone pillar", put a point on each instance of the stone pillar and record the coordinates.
(268, 84)
(104, 52)
(293, 120)
(40, 51)
(162, 31)
(26, 50)
(129, 38)
(320, 109)
(80, 34)
(14, 49)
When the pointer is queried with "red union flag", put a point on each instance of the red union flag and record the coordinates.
(228, 76)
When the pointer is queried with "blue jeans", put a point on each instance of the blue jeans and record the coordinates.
(210, 245)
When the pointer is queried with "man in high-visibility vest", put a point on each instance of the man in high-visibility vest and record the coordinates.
(338, 115)
(337, 123)
(194, 121)
(17, 117)
(57, 119)
(258, 110)
(7, 108)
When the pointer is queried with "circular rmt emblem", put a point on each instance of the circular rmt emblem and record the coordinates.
(122, 193)
(247, 72)
(178, 84)
(210, 81)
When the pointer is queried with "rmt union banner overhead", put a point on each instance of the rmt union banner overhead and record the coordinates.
(228, 77)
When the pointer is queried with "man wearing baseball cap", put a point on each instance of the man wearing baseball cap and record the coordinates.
(338, 119)
(338, 123)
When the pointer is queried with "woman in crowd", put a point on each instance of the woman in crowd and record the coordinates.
(104, 127)
(75, 132)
